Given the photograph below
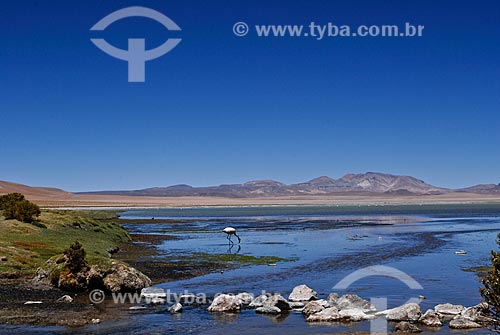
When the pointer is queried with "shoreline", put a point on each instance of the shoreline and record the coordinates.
(120, 208)
(29, 259)
(140, 253)
(25, 302)
(79, 201)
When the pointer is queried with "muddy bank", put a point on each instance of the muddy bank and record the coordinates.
(16, 290)
(13, 308)
(143, 255)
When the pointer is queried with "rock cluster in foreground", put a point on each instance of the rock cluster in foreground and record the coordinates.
(115, 277)
(352, 308)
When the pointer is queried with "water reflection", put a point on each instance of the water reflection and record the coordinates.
(225, 318)
(231, 251)
(279, 318)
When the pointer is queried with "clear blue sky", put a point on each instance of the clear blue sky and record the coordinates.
(226, 109)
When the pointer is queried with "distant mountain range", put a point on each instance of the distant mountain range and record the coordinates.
(490, 189)
(365, 183)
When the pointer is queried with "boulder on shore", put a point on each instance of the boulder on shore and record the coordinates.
(42, 277)
(124, 278)
(115, 277)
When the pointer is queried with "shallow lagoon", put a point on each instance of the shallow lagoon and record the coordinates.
(419, 240)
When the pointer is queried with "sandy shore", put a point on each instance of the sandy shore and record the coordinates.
(78, 200)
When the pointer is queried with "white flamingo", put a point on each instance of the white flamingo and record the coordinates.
(230, 231)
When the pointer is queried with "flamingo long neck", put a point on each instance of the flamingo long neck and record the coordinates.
(239, 240)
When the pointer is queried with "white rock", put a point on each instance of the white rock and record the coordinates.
(268, 310)
(312, 307)
(153, 292)
(324, 303)
(406, 327)
(296, 305)
(245, 298)
(329, 314)
(332, 299)
(431, 319)
(65, 298)
(352, 301)
(277, 300)
(32, 302)
(478, 313)
(225, 303)
(355, 314)
(303, 293)
(259, 301)
(408, 312)
(176, 308)
(448, 309)
(95, 321)
(463, 323)
(136, 308)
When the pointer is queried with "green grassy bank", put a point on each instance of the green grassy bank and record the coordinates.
(26, 246)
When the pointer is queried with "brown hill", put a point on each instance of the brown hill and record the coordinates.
(33, 193)
(369, 188)
(386, 183)
(491, 189)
